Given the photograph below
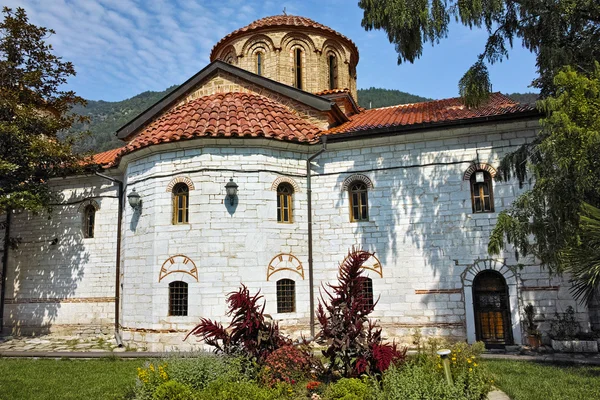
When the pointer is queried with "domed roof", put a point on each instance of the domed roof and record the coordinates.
(277, 21)
(242, 115)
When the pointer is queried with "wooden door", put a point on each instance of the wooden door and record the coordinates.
(492, 310)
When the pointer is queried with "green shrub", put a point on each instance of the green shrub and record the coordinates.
(223, 389)
(199, 372)
(349, 389)
(149, 377)
(423, 378)
(173, 390)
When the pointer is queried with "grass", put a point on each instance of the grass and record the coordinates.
(523, 380)
(30, 379)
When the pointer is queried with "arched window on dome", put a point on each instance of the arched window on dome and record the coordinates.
(333, 71)
(181, 200)
(260, 59)
(285, 193)
(298, 68)
(359, 202)
(482, 194)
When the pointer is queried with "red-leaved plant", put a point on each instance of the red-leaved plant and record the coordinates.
(354, 344)
(248, 333)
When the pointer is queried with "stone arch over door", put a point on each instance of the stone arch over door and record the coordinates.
(510, 277)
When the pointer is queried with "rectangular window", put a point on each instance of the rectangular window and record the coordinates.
(259, 64)
(298, 68)
(178, 298)
(286, 296)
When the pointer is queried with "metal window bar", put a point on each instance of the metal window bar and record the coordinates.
(286, 296)
(367, 291)
(178, 298)
(89, 221)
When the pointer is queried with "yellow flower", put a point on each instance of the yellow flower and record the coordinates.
(475, 364)
(152, 367)
(469, 361)
(453, 358)
(470, 369)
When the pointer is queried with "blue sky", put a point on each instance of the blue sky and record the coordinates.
(123, 47)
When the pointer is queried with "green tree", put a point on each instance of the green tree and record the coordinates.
(558, 32)
(33, 110)
(564, 160)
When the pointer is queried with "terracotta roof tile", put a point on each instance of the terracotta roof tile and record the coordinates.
(280, 21)
(332, 91)
(226, 115)
(431, 112)
(106, 158)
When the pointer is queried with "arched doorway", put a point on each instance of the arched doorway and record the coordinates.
(492, 309)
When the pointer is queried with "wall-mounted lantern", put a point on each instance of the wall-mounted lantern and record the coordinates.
(231, 189)
(135, 201)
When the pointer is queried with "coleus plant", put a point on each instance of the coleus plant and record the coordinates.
(354, 345)
(248, 333)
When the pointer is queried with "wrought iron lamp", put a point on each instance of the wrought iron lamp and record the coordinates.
(231, 189)
(135, 200)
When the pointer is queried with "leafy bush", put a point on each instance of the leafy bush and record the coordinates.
(354, 344)
(149, 378)
(349, 389)
(564, 326)
(288, 364)
(224, 389)
(248, 333)
(423, 378)
(173, 390)
(199, 372)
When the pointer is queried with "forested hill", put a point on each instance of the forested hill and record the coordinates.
(106, 117)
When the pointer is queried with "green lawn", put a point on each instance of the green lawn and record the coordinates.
(523, 380)
(27, 379)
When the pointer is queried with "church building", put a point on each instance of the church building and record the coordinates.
(263, 170)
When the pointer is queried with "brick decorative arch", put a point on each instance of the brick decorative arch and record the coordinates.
(180, 179)
(297, 38)
(479, 167)
(285, 179)
(88, 202)
(257, 40)
(357, 177)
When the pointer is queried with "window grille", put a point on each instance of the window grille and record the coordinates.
(284, 202)
(286, 296)
(482, 196)
(367, 291)
(89, 221)
(178, 298)
(359, 202)
(180, 204)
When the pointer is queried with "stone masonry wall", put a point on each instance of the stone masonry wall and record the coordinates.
(57, 280)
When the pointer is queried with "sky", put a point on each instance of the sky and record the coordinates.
(121, 48)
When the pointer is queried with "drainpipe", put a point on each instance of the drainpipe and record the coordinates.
(5, 266)
(310, 241)
(118, 257)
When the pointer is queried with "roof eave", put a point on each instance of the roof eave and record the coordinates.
(309, 99)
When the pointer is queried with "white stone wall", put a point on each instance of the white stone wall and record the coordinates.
(57, 280)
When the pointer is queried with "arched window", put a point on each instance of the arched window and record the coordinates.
(333, 74)
(359, 202)
(178, 298)
(259, 63)
(286, 296)
(89, 221)
(181, 198)
(367, 291)
(285, 193)
(298, 68)
(482, 195)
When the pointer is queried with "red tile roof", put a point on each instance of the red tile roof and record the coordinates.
(332, 91)
(281, 21)
(428, 113)
(226, 115)
(106, 158)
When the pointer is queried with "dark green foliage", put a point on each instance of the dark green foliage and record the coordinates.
(559, 33)
(105, 117)
(565, 325)
(376, 97)
(563, 161)
(582, 259)
(33, 110)
(173, 390)
(349, 389)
